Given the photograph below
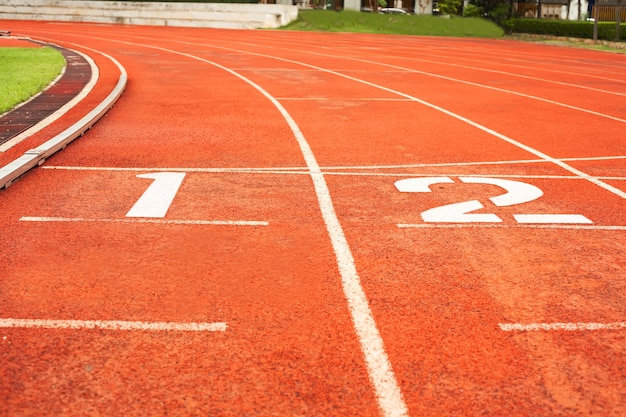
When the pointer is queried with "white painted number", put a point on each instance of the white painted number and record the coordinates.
(156, 200)
(517, 192)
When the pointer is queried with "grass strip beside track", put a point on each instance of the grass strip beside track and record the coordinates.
(427, 25)
(422, 25)
(24, 72)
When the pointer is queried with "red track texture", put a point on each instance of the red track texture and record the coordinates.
(340, 295)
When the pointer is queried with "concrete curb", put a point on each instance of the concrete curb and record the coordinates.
(37, 156)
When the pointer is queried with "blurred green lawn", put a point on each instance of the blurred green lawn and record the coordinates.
(24, 72)
(422, 25)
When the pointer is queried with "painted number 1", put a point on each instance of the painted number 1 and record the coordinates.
(156, 200)
(517, 192)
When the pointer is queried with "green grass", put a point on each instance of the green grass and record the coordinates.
(26, 71)
(422, 25)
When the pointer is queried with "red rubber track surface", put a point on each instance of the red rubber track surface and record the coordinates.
(374, 110)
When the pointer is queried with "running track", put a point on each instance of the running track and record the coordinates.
(301, 253)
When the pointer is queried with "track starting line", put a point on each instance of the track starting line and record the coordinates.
(156, 221)
(221, 326)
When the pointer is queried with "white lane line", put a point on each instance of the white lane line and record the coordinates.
(304, 171)
(147, 220)
(338, 167)
(279, 170)
(112, 325)
(509, 226)
(595, 158)
(437, 165)
(420, 174)
(477, 163)
(533, 327)
(551, 218)
(339, 99)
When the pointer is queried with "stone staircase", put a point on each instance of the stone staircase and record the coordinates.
(213, 15)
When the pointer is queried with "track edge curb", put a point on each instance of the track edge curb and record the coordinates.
(35, 157)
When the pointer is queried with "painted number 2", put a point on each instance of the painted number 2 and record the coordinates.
(517, 192)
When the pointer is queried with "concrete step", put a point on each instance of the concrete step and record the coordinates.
(217, 15)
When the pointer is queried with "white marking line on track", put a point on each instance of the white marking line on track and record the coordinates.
(112, 325)
(550, 218)
(344, 167)
(421, 174)
(511, 226)
(304, 171)
(478, 163)
(533, 327)
(279, 170)
(340, 99)
(154, 221)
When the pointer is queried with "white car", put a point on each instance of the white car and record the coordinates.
(393, 10)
